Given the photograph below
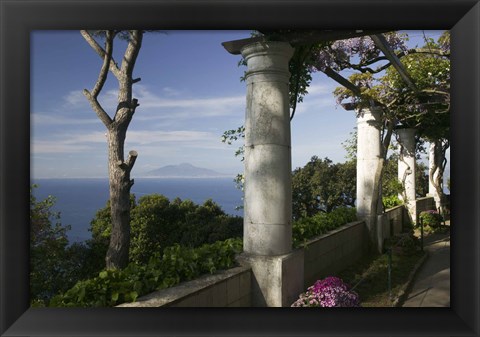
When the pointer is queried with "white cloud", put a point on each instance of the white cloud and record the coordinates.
(75, 98)
(153, 106)
(320, 89)
(168, 103)
(49, 119)
(315, 105)
(179, 136)
(52, 146)
(68, 143)
(170, 91)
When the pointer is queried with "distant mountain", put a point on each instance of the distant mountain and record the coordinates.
(184, 170)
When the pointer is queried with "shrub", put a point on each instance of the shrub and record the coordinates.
(431, 218)
(310, 227)
(405, 243)
(391, 201)
(157, 222)
(55, 266)
(176, 264)
(329, 292)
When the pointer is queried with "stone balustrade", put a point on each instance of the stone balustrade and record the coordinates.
(227, 288)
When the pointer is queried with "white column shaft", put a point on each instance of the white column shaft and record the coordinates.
(268, 187)
(368, 164)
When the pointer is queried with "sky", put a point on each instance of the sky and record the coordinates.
(189, 94)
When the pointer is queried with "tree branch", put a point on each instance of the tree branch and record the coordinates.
(132, 156)
(387, 139)
(104, 117)
(435, 91)
(132, 51)
(102, 76)
(128, 165)
(99, 50)
(364, 67)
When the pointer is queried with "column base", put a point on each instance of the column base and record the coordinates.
(277, 280)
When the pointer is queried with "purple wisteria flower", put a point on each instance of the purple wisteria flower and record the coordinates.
(329, 292)
(339, 54)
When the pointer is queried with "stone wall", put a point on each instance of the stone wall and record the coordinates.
(334, 251)
(395, 218)
(324, 256)
(424, 204)
(229, 288)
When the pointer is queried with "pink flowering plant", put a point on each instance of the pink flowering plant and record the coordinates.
(329, 292)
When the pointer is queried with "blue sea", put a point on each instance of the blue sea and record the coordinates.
(78, 200)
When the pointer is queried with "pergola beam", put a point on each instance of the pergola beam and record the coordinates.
(382, 44)
(300, 37)
(342, 80)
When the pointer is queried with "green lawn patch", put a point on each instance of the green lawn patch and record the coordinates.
(369, 277)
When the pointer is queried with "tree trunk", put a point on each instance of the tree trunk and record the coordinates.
(119, 169)
(120, 184)
(437, 170)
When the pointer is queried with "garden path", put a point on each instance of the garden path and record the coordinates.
(431, 285)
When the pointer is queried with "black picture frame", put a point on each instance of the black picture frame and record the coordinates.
(19, 17)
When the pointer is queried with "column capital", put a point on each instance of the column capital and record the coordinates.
(406, 138)
(268, 61)
(406, 132)
(369, 115)
(267, 47)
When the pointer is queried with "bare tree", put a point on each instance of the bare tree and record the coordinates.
(119, 169)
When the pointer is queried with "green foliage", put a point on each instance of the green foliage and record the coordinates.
(431, 218)
(310, 227)
(48, 242)
(421, 179)
(369, 275)
(176, 264)
(403, 243)
(427, 109)
(392, 187)
(391, 201)
(350, 145)
(321, 186)
(54, 265)
(156, 223)
(233, 135)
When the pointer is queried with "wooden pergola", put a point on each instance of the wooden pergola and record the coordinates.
(309, 37)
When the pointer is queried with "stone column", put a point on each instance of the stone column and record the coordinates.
(278, 273)
(406, 170)
(369, 164)
(432, 191)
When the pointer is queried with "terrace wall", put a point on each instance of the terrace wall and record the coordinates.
(228, 288)
(425, 204)
(334, 251)
(324, 256)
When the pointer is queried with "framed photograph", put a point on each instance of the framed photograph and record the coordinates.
(20, 18)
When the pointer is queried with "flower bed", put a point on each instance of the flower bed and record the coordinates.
(329, 292)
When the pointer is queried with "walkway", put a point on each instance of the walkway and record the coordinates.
(431, 286)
